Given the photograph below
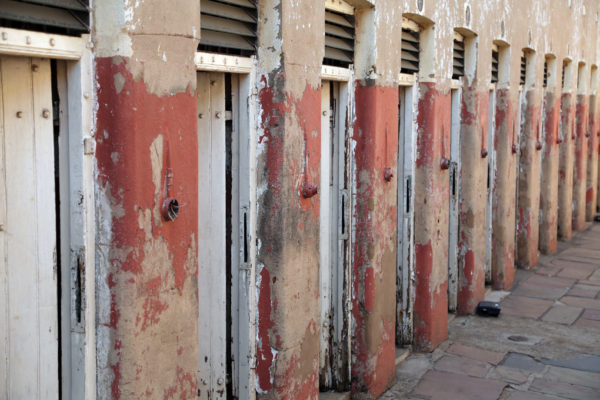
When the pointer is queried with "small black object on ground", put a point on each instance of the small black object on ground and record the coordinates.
(597, 218)
(488, 309)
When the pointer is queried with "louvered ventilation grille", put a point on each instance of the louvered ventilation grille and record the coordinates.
(410, 52)
(339, 39)
(523, 75)
(495, 62)
(66, 17)
(228, 27)
(545, 74)
(562, 78)
(458, 59)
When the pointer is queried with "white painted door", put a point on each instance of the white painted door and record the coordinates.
(212, 258)
(405, 256)
(28, 279)
(454, 200)
(491, 173)
(334, 239)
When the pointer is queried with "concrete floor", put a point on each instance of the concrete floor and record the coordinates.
(544, 345)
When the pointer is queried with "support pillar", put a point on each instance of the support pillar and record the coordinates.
(431, 219)
(146, 137)
(472, 208)
(565, 171)
(549, 184)
(591, 193)
(288, 170)
(580, 163)
(528, 194)
(375, 142)
(503, 232)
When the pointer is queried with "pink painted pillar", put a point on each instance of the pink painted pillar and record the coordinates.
(528, 194)
(472, 207)
(431, 218)
(591, 193)
(503, 226)
(565, 171)
(549, 184)
(580, 165)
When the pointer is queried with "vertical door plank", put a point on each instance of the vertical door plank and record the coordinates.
(20, 229)
(4, 320)
(204, 232)
(211, 234)
(46, 228)
(217, 223)
(29, 279)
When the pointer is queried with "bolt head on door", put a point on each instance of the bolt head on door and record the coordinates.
(170, 209)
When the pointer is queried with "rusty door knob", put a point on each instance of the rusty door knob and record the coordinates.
(309, 190)
(538, 145)
(445, 163)
(484, 153)
(388, 174)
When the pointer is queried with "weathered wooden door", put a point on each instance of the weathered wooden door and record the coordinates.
(212, 257)
(405, 255)
(28, 276)
(334, 363)
(491, 174)
(454, 184)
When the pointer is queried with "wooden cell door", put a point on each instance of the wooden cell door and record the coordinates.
(334, 357)
(224, 231)
(28, 275)
(454, 186)
(405, 215)
(212, 257)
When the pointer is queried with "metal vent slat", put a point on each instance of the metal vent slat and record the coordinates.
(218, 24)
(339, 39)
(225, 40)
(495, 62)
(228, 26)
(335, 30)
(337, 55)
(458, 59)
(338, 19)
(523, 74)
(236, 13)
(545, 73)
(410, 52)
(54, 16)
(337, 43)
(66, 4)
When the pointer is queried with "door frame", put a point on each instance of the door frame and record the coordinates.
(76, 149)
(243, 246)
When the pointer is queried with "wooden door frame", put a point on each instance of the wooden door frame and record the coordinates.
(77, 204)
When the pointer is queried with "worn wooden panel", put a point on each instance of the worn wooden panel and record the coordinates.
(29, 278)
(490, 186)
(211, 235)
(325, 237)
(455, 166)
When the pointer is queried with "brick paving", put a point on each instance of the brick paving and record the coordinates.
(544, 345)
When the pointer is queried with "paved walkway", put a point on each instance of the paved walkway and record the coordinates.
(544, 345)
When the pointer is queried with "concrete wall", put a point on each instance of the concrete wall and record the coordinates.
(145, 122)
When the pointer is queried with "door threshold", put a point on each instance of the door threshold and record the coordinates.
(401, 354)
(334, 396)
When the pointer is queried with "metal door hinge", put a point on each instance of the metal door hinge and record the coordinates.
(89, 146)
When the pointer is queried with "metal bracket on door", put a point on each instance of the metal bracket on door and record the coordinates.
(344, 213)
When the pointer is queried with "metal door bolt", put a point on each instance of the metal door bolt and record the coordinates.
(218, 114)
(220, 381)
(19, 114)
(35, 68)
(46, 113)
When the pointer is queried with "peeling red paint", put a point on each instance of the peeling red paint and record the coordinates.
(264, 355)
(376, 138)
(431, 222)
(128, 121)
(580, 172)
